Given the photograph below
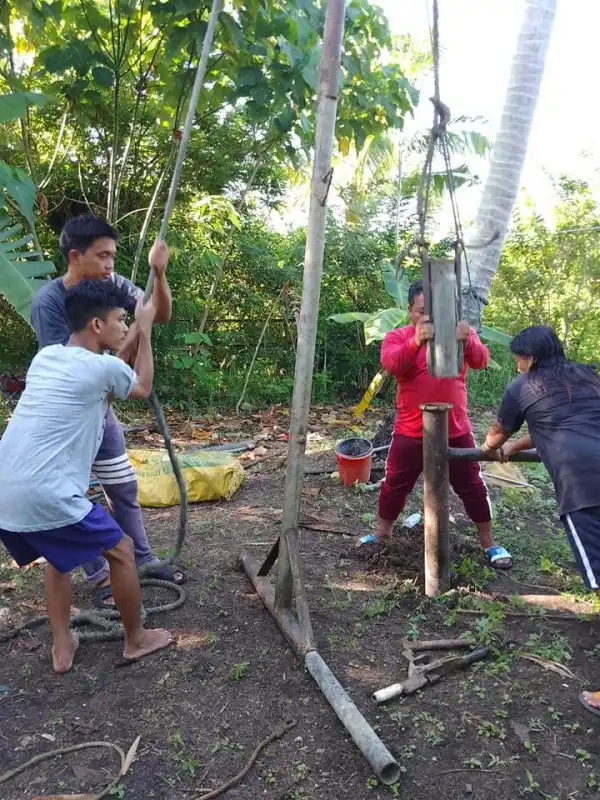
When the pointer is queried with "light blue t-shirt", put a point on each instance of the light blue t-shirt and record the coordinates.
(49, 445)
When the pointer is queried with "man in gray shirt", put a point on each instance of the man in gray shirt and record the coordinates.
(89, 246)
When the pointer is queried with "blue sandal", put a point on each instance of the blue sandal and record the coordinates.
(497, 553)
(370, 538)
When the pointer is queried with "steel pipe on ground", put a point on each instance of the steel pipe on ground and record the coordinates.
(365, 738)
(370, 745)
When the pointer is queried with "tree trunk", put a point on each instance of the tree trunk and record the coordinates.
(508, 155)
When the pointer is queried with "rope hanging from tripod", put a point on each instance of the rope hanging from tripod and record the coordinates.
(157, 408)
(438, 140)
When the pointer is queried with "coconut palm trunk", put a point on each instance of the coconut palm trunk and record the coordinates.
(508, 155)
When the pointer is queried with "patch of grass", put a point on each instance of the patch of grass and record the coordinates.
(473, 571)
(177, 751)
(592, 782)
(517, 500)
(301, 771)
(380, 607)
(473, 763)
(225, 743)
(490, 730)
(532, 786)
(572, 727)
(214, 582)
(528, 545)
(239, 671)
(554, 648)
(408, 751)
(495, 761)
(296, 794)
(430, 727)
(550, 567)
(269, 777)
(413, 629)
(488, 629)
(583, 755)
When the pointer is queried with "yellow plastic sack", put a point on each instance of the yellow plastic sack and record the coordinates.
(210, 475)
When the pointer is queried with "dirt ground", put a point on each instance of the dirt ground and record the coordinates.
(505, 728)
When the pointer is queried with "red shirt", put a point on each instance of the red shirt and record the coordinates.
(402, 358)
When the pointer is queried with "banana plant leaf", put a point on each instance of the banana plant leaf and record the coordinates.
(494, 335)
(22, 271)
(396, 287)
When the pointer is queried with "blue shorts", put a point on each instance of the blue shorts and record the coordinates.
(583, 532)
(68, 547)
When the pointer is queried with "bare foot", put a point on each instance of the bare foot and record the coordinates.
(62, 658)
(148, 642)
(592, 699)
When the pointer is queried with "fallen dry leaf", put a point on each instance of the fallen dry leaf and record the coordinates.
(199, 433)
(130, 756)
(552, 666)
(521, 730)
(311, 491)
(30, 644)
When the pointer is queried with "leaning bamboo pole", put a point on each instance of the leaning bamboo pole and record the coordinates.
(290, 583)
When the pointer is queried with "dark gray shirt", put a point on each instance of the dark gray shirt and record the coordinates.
(49, 316)
(564, 424)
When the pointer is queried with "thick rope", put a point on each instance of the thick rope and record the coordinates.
(161, 422)
(106, 621)
(438, 139)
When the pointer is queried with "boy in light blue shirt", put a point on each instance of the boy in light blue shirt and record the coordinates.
(47, 453)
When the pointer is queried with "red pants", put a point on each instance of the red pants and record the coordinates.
(404, 465)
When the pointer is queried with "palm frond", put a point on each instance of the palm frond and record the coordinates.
(22, 271)
(378, 157)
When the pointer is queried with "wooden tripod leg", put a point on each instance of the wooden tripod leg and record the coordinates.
(290, 583)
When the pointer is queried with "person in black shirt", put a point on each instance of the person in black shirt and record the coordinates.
(560, 402)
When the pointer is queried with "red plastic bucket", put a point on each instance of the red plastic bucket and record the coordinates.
(354, 458)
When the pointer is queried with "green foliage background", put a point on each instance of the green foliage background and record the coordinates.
(91, 99)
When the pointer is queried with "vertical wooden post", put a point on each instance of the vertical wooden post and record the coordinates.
(289, 578)
(436, 498)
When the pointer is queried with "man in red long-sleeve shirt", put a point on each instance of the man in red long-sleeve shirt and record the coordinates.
(403, 355)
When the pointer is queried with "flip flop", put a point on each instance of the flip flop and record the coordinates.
(370, 538)
(497, 553)
(171, 574)
(588, 707)
(99, 597)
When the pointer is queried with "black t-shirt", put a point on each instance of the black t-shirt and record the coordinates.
(564, 424)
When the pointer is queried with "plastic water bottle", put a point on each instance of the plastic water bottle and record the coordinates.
(413, 520)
